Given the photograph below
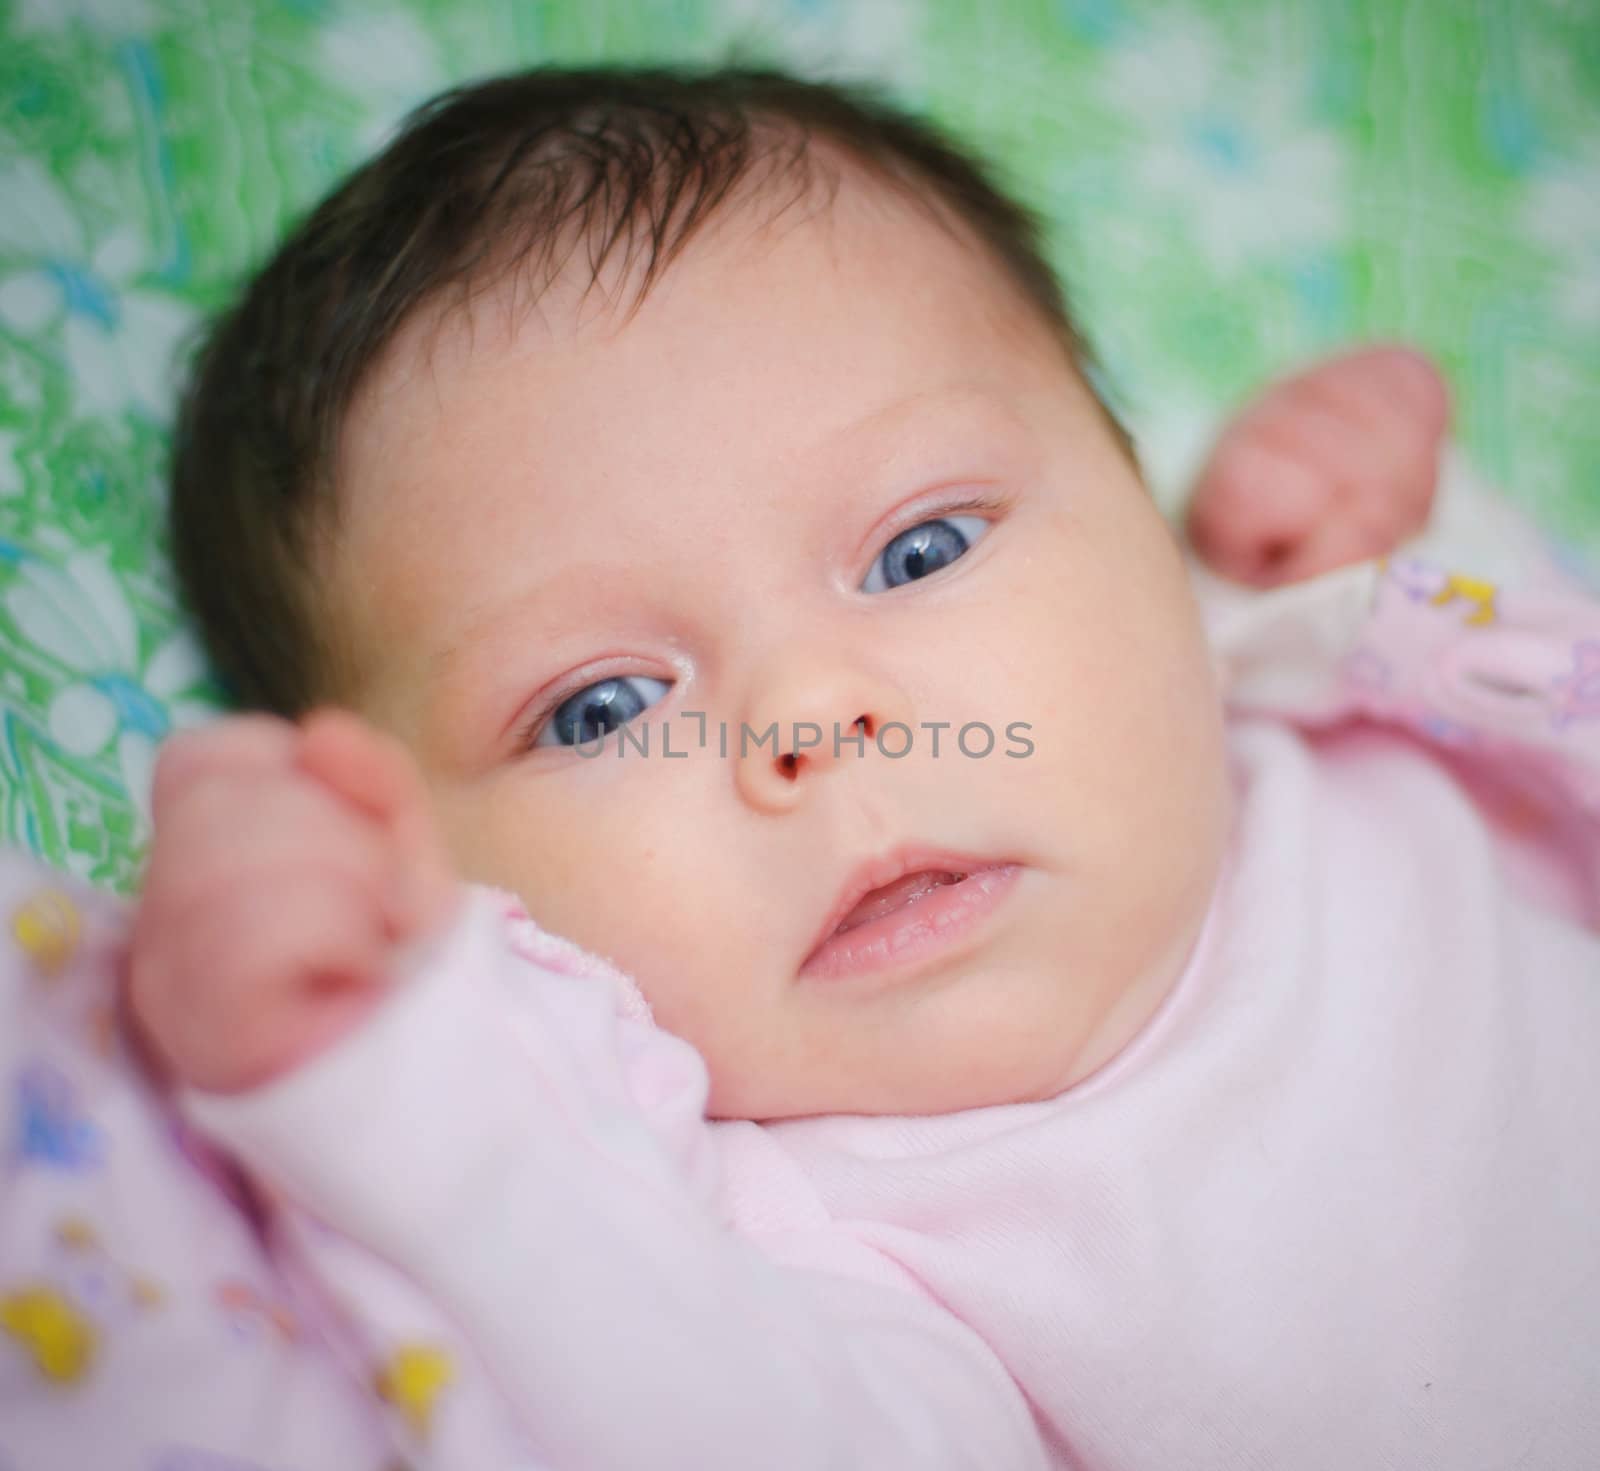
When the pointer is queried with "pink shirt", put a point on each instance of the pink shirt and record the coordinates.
(1338, 1205)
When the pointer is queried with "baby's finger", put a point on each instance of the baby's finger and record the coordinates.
(1359, 446)
(367, 767)
(234, 745)
(271, 977)
(375, 772)
(1398, 381)
(220, 838)
(1338, 542)
(1253, 509)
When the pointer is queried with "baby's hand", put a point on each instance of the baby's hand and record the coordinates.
(1334, 465)
(288, 862)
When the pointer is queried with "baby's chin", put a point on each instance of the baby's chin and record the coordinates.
(1070, 983)
(994, 1076)
(1010, 1048)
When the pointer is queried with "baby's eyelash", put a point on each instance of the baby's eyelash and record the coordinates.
(546, 709)
(977, 501)
(530, 727)
(991, 502)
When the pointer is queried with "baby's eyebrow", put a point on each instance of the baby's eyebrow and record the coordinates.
(588, 584)
(955, 413)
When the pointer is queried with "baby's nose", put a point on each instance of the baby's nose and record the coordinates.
(809, 744)
(807, 722)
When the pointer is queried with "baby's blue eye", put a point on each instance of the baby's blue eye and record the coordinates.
(598, 709)
(923, 549)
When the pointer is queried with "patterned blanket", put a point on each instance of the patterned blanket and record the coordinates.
(1232, 185)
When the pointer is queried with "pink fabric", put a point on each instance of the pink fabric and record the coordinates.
(144, 1321)
(1333, 1207)
(1502, 683)
(1508, 682)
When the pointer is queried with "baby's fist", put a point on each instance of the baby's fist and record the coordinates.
(1333, 465)
(287, 865)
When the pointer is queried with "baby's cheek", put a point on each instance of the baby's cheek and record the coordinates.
(1151, 751)
(497, 836)
(639, 873)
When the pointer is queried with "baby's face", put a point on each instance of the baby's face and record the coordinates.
(700, 515)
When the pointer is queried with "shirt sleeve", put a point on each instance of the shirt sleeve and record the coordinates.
(1506, 676)
(1498, 681)
(532, 1152)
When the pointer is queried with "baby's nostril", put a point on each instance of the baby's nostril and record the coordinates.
(789, 762)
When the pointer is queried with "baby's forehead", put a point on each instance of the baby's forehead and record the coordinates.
(746, 368)
(596, 284)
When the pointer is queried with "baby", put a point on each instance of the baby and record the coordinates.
(675, 509)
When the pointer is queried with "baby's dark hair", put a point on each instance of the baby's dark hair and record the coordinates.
(513, 171)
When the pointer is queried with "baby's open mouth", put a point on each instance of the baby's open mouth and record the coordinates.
(897, 895)
(909, 918)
